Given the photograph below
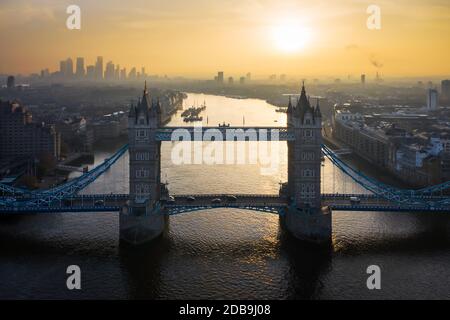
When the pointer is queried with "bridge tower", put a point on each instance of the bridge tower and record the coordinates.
(141, 219)
(305, 217)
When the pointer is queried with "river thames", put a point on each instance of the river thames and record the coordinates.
(224, 253)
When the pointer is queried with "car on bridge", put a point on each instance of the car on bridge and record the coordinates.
(355, 200)
(190, 199)
(231, 198)
(216, 200)
(99, 202)
(171, 200)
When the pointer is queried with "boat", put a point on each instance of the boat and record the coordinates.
(193, 112)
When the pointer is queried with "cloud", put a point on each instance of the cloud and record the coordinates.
(18, 13)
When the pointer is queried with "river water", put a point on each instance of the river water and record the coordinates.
(224, 253)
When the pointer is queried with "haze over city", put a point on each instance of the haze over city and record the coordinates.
(225, 149)
(196, 38)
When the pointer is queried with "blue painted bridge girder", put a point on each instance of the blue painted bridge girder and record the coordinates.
(264, 203)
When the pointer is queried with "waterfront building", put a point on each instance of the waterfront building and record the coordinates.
(414, 155)
(418, 164)
(370, 143)
(20, 137)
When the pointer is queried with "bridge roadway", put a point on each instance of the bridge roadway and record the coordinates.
(185, 203)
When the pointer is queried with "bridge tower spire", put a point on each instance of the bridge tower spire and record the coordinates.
(141, 219)
(305, 218)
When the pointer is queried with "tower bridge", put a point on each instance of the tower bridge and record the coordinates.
(304, 211)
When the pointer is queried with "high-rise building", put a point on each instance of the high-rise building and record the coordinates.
(109, 71)
(363, 79)
(90, 72)
(117, 73)
(123, 74)
(132, 75)
(143, 74)
(220, 77)
(45, 73)
(445, 89)
(432, 99)
(249, 77)
(80, 68)
(63, 68)
(230, 80)
(99, 68)
(10, 82)
(69, 67)
(22, 138)
(242, 80)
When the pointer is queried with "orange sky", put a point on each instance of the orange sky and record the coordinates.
(198, 37)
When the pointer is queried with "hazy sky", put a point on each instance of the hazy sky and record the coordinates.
(199, 37)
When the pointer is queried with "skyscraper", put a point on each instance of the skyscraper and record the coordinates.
(220, 77)
(80, 68)
(10, 82)
(132, 75)
(69, 67)
(90, 72)
(363, 79)
(109, 71)
(117, 73)
(432, 99)
(123, 74)
(445, 89)
(63, 67)
(99, 68)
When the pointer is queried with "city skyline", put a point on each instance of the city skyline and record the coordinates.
(196, 40)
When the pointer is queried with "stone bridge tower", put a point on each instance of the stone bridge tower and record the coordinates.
(305, 218)
(141, 219)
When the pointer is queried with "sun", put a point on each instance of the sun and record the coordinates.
(290, 37)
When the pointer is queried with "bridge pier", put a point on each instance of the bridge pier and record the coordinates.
(309, 225)
(139, 225)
